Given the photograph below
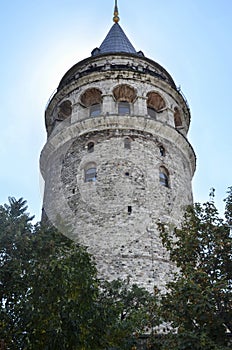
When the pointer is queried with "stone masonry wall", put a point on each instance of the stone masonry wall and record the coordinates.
(115, 215)
(125, 245)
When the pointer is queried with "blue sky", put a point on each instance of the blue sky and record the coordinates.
(41, 40)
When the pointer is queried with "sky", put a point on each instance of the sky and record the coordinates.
(41, 40)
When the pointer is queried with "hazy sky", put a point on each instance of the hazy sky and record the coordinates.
(41, 40)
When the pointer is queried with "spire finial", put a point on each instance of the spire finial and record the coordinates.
(116, 18)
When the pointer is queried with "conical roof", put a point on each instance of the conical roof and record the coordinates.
(116, 41)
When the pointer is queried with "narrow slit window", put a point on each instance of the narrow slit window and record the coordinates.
(164, 177)
(162, 151)
(129, 209)
(90, 147)
(127, 143)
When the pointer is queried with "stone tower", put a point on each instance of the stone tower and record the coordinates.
(117, 159)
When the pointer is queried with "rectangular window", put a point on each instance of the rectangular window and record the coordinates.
(95, 110)
(123, 108)
(90, 174)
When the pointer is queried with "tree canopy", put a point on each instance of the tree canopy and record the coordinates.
(198, 304)
(50, 295)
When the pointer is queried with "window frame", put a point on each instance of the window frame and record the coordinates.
(152, 110)
(122, 105)
(162, 151)
(90, 173)
(164, 177)
(93, 111)
(90, 147)
(127, 143)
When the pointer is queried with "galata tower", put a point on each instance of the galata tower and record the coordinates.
(117, 159)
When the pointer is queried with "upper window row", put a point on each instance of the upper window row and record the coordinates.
(122, 93)
(123, 109)
(125, 96)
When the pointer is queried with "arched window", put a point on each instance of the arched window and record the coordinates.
(124, 93)
(123, 108)
(127, 143)
(90, 147)
(65, 110)
(164, 177)
(91, 173)
(92, 98)
(155, 103)
(95, 110)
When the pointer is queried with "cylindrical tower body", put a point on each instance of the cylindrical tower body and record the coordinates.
(117, 161)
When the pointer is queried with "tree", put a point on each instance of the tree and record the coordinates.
(43, 276)
(128, 313)
(50, 295)
(198, 302)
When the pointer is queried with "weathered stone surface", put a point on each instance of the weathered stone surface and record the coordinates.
(116, 214)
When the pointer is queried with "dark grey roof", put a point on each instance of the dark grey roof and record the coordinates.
(115, 41)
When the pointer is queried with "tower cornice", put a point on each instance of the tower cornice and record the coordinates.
(98, 63)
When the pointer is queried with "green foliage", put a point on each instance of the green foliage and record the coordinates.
(128, 309)
(228, 207)
(50, 295)
(198, 304)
